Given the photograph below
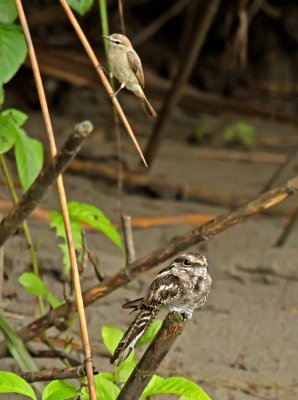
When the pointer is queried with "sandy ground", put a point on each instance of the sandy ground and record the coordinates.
(243, 344)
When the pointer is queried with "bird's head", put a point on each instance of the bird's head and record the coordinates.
(118, 41)
(192, 264)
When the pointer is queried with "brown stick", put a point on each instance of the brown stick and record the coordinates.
(185, 68)
(101, 74)
(180, 243)
(47, 177)
(52, 374)
(130, 253)
(155, 25)
(171, 328)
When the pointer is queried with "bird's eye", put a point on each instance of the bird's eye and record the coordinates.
(117, 42)
(187, 262)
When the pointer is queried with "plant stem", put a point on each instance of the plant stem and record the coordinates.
(28, 236)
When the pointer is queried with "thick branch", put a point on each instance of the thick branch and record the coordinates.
(180, 243)
(46, 178)
(171, 328)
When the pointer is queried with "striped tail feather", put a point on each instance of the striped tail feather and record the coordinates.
(132, 335)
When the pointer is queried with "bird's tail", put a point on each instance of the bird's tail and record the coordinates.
(132, 335)
(147, 107)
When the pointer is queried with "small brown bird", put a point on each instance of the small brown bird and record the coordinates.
(182, 287)
(126, 66)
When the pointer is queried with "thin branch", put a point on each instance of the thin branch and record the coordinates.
(121, 16)
(101, 74)
(186, 65)
(171, 328)
(287, 229)
(52, 374)
(130, 252)
(180, 243)
(162, 19)
(62, 199)
(46, 178)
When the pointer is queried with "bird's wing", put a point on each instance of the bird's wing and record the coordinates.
(136, 65)
(164, 288)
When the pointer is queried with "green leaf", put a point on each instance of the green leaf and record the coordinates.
(8, 134)
(8, 11)
(33, 284)
(16, 116)
(1, 95)
(57, 390)
(150, 333)
(18, 350)
(105, 388)
(95, 218)
(12, 383)
(58, 223)
(125, 369)
(29, 158)
(175, 385)
(13, 51)
(111, 336)
(240, 132)
(80, 6)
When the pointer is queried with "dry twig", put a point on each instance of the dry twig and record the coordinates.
(186, 65)
(52, 374)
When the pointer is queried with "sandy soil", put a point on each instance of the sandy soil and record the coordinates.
(243, 344)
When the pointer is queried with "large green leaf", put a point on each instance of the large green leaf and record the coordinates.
(29, 158)
(8, 11)
(57, 390)
(105, 388)
(12, 383)
(8, 133)
(125, 369)
(16, 116)
(80, 6)
(13, 51)
(111, 336)
(175, 385)
(95, 218)
(33, 284)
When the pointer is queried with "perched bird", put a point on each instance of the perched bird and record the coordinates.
(181, 287)
(126, 66)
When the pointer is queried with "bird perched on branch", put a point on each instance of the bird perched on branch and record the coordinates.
(126, 66)
(181, 287)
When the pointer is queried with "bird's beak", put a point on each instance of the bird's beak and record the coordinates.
(107, 37)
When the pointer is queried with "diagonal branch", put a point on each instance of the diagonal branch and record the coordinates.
(187, 63)
(99, 70)
(171, 328)
(46, 178)
(180, 243)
